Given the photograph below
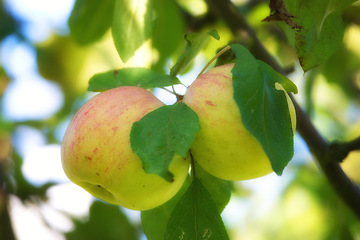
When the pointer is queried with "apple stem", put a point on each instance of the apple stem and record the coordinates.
(172, 92)
(213, 59)
(192, 165)
(179, 97)
(172, 86)
(183, 85)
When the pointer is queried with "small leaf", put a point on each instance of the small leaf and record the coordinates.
(131, 26)
(140, 77)
(321, 29)
(162, 135)
(90, 19)
(264, 109)
(214, 34)
(196, 217)
(195, 42)
(154, 221)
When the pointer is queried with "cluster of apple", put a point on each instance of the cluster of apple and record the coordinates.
(97, 154)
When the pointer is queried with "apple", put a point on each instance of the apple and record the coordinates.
(96, 152)
(223, 146)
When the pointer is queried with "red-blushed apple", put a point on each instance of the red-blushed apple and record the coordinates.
(96, 152)
(223, 146)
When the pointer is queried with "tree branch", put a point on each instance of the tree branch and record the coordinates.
(328, 159)
(240, 29)
(325, 153)
(352, 145)
(6, 229)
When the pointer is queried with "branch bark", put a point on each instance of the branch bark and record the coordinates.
(352, 145)
(242, 30)
(6, 229)
(322, 150)
(329, 159)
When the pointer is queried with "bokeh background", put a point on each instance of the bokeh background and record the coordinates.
(44, 76)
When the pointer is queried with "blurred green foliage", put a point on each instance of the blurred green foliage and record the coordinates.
(116, 226)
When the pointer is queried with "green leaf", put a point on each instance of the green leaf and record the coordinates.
(195, 42)
(321, 29)
(90, 19)
(219, 189)
(274, 76)
(168, 31)
(154, 221)
(162, 135)
(196, 217)
(140, 77)
(105, 222)
(264, 109)
(131, 26)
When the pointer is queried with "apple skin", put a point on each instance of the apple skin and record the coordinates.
(223, 146)
(96, 152)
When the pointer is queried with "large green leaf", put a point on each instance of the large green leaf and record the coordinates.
(131, 26)
(196, 217)
(264, 109)
(195, 42)
(321, 29)
(105, 222)
(90, 19)
(140, 77)
(154, 221)
(219, 189)
(163, 134)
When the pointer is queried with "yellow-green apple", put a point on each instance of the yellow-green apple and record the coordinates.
(223, 146)
(96, 152)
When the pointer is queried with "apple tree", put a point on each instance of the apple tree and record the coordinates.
(250, 90)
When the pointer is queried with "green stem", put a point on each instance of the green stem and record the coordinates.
(214, 58)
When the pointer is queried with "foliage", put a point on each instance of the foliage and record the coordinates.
(117, 226)
(316, 38)
(141, 77)
(319, 29)
(195, 216)
(162, 135)
(261, 104)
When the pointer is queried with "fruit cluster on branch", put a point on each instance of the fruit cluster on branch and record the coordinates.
(319, 147)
